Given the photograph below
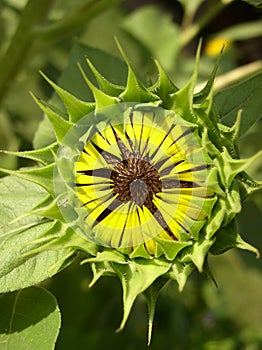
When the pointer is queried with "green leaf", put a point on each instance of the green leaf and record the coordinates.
(241, 244)
(216, 219)
(75, 107)
(30, 319)
(106, 86)
(180, 272)
(161, 36)
(230, 168)
(100, 269)
(45, 134)
(247, 96)
(20, 268)
(16, 243)
(242, 31)
(228, 238)
(256, 3)
(191, 6)
(203, 94)
(170, 248)
(135, 90)
(21, 233)
(182, 100)
(164, 87)
(110, 67)
(101, 98)
(48, 208)
(72, 81)
(135, 278)
(197, 253)
(107, 256)
(60, 125)
(17, 197)
(45, 155)
(42, 176)
(151, 295)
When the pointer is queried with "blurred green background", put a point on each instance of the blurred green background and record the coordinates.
(202, 316)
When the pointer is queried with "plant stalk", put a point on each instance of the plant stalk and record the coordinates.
(74, 21)
(31, 29)
(235, 76)
(17, 52)
(193, 30)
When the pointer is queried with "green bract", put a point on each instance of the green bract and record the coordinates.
(145, 180)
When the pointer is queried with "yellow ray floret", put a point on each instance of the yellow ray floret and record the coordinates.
(142, 179)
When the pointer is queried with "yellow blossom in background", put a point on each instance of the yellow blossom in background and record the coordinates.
(214, 46)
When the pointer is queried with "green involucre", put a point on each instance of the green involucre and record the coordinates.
(143, 270)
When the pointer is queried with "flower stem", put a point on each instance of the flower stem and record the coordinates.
(74, 21)
(236, 75)
(11, 62)
(193, 30)
(32, 29)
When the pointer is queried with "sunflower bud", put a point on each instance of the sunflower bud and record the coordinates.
(149, 179)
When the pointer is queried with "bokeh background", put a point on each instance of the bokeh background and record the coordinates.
(203, 316)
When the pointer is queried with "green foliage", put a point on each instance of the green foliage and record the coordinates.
(166, 32)
(256, 3)
(21, 233)
(243, 96)
(35, 241)
(30, 318)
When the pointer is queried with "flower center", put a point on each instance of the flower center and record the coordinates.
(143, 179)
(137, 180)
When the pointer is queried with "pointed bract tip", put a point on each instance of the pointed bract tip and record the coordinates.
(199, 47)
(149, 333)
(122, 52)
